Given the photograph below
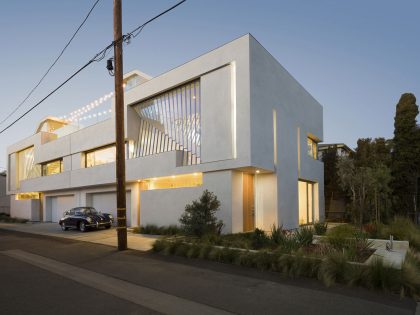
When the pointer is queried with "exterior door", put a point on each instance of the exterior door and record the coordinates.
(248, 202)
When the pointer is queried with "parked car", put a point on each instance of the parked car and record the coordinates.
(84, 218)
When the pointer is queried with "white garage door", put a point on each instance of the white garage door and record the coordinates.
(59, 205)
(107, 203)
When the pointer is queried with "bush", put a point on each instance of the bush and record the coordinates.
(158, 230)
(4, 217)
(259, 239)
(320, 228)
(199, 217)
(402, 229)
(334, 268)
(304, 235)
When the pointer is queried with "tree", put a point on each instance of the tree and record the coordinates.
(332, 189)
(199, 217)
(358, 182)
(366, 177)
(405, 155)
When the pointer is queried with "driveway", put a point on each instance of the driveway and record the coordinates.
(106, 237)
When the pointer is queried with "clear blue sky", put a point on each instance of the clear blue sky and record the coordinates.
(355, 57)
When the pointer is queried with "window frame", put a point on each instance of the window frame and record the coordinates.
(43, 166)
(95, 150)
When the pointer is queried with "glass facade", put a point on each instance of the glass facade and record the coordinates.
(171, 121)
(26, 165)
(53, 167)
(100, 156)
(306, 202)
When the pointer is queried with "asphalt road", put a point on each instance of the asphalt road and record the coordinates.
(46, 275)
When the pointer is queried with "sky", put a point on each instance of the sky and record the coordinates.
(355, 57)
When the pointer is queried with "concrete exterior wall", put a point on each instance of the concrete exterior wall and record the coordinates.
(165, 206)
(29, 209)
(273, 88)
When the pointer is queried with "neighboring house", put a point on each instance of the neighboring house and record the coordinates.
(232, 121)
(335, 198)
(342, 149)
(4, 198)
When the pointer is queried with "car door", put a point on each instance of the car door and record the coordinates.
(71, 218)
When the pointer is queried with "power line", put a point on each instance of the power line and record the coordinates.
(98, 57)
(52, 65)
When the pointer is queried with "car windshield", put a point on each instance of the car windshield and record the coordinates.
(88, 211)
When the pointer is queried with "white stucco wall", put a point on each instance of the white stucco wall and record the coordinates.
(25, 209)
(272, 87)
(165, 206)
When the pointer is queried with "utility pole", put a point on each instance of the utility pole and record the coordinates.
(119, 128)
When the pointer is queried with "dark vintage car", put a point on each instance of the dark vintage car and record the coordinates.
(84, 218)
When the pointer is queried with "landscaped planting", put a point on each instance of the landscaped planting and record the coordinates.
(336, 258)
(5, 218)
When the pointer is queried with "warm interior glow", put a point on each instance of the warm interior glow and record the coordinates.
(100, 156)
(169, 182)
(53, 167)
(306, 202)
(26, 196)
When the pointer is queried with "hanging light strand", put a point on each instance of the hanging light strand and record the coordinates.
(78, 114)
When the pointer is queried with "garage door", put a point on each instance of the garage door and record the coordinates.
(107, 202)
(59, 205)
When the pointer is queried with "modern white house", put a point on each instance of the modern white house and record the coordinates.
(232, 121)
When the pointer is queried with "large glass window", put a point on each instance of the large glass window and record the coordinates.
(306, 202)
(26, 165)
(312, 148)
(53, 167)
(171, 121)
(100, 156)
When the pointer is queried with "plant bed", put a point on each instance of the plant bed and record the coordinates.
(332, 268)
(5, 218)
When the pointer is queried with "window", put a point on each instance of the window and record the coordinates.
(306, 202)
(26, 165)
(171, 121)
(100, 156)
(53, 167)
(26, 196)
(312, 149)
(175, 181)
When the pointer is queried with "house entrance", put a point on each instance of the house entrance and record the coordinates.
(248, 202)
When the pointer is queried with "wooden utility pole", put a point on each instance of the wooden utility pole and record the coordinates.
(119, 128)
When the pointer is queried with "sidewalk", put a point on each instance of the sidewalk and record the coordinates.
(106, 237)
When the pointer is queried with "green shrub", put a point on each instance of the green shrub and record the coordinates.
(158, 230)
(194, 251)
(304, 235)
(204, 251)
(199, 217)
(333, 269)
(259, 239)
(320, 228)
(277, 235)
(383, 277)
(159, 245)
(4, 217)
(181, 249)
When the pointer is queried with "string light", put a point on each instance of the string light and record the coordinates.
(90, 116)
(76, 115)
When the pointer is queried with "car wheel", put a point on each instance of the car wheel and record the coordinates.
(63, 226)
(82, 226)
